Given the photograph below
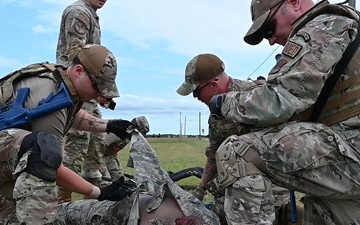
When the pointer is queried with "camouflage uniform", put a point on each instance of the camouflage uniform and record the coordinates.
(25, 198)
(202, 69)
(114, 144)
(148, 172)
(220, 129)
(84, 150)
(318, 159)
(28, 192)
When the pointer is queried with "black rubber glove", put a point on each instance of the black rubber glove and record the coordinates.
(199, 193)
(119, 128)
(117, 190)
(215, 105)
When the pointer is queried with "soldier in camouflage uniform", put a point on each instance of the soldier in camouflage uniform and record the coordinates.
(164, 203)
(208, 77)
(31, 154)
(83, 150)
(320, 159)
(114, 145)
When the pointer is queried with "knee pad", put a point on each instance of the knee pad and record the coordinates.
(46, 156)
(234, 159)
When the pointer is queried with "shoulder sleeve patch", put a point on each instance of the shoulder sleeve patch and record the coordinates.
(80, 27)
(291, 49)
(304, 35)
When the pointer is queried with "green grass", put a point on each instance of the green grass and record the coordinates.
(174, 155)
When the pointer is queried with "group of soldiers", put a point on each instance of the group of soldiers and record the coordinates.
(297, 130)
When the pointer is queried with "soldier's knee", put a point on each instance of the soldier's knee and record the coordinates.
(237, 158)
(45, 158)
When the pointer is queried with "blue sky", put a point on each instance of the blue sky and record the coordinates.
(152, 41)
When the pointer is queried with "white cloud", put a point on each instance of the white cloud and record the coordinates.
(39, 29)
(8, 62)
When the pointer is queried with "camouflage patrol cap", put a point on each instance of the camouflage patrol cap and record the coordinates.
(260, 10)
(201, 68)
(142, 123)
(101, 63)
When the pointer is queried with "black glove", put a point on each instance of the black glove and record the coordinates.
(119, 128)
(215, 105)
(117, 190)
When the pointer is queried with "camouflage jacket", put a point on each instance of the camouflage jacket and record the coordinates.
(79, 26)
(220, 129)
(308, 59)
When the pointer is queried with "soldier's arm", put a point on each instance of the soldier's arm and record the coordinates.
(77, 25)
(87, 122)
(295, 82)
(71, 181)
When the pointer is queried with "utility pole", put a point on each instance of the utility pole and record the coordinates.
(352, 3)
(180, 127)
(185, 127)
(199, 125)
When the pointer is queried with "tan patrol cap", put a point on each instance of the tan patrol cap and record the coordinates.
(201, 68)
(260, 10)
(100, 62)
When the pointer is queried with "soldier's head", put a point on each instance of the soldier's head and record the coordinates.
(96, 4)
(142, 124)
(204, 77)
(272, 19)
(94, 72)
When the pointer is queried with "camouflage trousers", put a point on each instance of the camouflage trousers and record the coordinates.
(24, 198)
(281, 203)
(111, 167)
(83, 152)
(310, 158)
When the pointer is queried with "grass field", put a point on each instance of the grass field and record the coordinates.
(174, 155)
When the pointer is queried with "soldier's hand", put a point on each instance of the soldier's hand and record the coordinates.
(215, 105)
(117, 190)
(199, 193)
(120, 128)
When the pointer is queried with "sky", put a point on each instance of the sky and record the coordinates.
(152, 40)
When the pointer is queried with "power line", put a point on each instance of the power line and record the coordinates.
(263, 62)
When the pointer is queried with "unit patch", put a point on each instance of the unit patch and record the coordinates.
(304, 35)
(79, 28)
(291, 49)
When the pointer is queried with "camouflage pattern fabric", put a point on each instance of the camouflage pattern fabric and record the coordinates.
(79, 26)
(33, 199)
(220, 129)
(111, 167)
(148, 172)
(312, 158)
(25, 199)
(111, 164)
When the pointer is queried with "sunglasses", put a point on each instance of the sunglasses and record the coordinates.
(268, 29)
(196, 92)
(94, 84)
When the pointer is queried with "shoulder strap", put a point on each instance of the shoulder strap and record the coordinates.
(332, 80)
(54, 69)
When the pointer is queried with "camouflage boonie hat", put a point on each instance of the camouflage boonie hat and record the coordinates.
(260, 10)
(101, 63)
(142, 123)
(201, 68)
